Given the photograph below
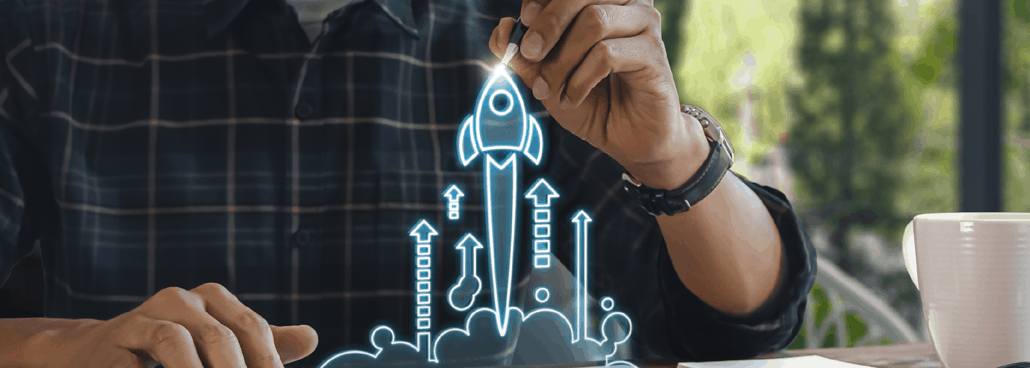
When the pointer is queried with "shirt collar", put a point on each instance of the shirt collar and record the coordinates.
(219, 13)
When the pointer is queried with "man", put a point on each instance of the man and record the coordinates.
(212, 182)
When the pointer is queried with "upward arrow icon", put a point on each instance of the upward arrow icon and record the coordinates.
(453, 193)
(541, 193)
(423, 232)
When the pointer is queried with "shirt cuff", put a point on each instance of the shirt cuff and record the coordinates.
(698, 331)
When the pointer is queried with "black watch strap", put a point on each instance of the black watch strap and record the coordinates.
(669, 202)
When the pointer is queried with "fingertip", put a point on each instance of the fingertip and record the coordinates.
(294, 342)
(529, 12)
(500, 34)
(493, 39)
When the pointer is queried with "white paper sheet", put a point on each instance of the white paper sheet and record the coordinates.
(811, 361)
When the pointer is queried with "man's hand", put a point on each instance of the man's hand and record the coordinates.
(206, 327)
(600, 69)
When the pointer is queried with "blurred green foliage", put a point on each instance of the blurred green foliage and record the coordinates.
(854, 120)
(866, 99)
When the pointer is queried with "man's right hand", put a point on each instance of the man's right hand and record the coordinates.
(206, 327)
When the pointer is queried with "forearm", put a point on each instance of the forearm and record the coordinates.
(15, 333)
(725, 249)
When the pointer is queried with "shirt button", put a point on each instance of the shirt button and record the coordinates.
(302, 238)
(304, 110)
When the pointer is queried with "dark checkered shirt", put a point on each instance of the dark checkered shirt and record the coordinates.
(151, 144)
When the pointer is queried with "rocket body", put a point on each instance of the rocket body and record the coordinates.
(501, 130)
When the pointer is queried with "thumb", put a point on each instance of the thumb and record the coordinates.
(294, 342)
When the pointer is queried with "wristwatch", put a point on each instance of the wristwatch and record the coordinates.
(670, 202)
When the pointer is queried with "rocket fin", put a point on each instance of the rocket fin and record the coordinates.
(467, 150)
(535, 142)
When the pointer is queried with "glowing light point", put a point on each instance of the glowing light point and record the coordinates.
(607, 304)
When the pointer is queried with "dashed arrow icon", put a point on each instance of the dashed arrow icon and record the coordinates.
(541, 193)
(453, 193)
(423, 232)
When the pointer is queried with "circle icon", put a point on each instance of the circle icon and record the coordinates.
(542, 295)
(607, 304)
(502, 99)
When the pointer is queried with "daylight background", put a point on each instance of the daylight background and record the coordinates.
(851, 109)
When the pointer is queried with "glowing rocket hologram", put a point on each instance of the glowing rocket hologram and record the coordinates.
(500, 123)
(501, 130)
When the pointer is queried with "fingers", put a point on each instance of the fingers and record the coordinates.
(547, 27)
(294, 342)
(166, 342)
(244, 326)
(530, 9)
(217, 344)
(594, 24)
(499, 43)
(621, 55)
(499, 39)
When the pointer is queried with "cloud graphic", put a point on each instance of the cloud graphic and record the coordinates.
(387, 351)
(480, 343)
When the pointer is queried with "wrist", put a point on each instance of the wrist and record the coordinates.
(26, 340)
(677, 169)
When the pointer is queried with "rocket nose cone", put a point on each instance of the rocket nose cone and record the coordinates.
(500, 95)
(500, 113)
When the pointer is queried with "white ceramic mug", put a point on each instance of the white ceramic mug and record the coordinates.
(973, 275)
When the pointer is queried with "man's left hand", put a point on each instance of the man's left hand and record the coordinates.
(601, 70)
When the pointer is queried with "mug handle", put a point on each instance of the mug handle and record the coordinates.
(908, 249)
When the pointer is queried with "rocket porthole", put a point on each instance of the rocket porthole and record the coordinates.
(501, 102)
(542, 294)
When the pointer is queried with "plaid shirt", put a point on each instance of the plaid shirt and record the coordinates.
(151, 144)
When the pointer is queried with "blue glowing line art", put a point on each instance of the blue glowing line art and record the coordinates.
(502, 214)
(378, 349)
(512, 132)
(464, 291)
(541, 194)
(501, 132)
(558, 317)
(581, 220)
(493, 129)
(453, 194)
(423, 234)
(542, 294)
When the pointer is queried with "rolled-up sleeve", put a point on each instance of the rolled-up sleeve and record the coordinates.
(699, 332)
(15, 242)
